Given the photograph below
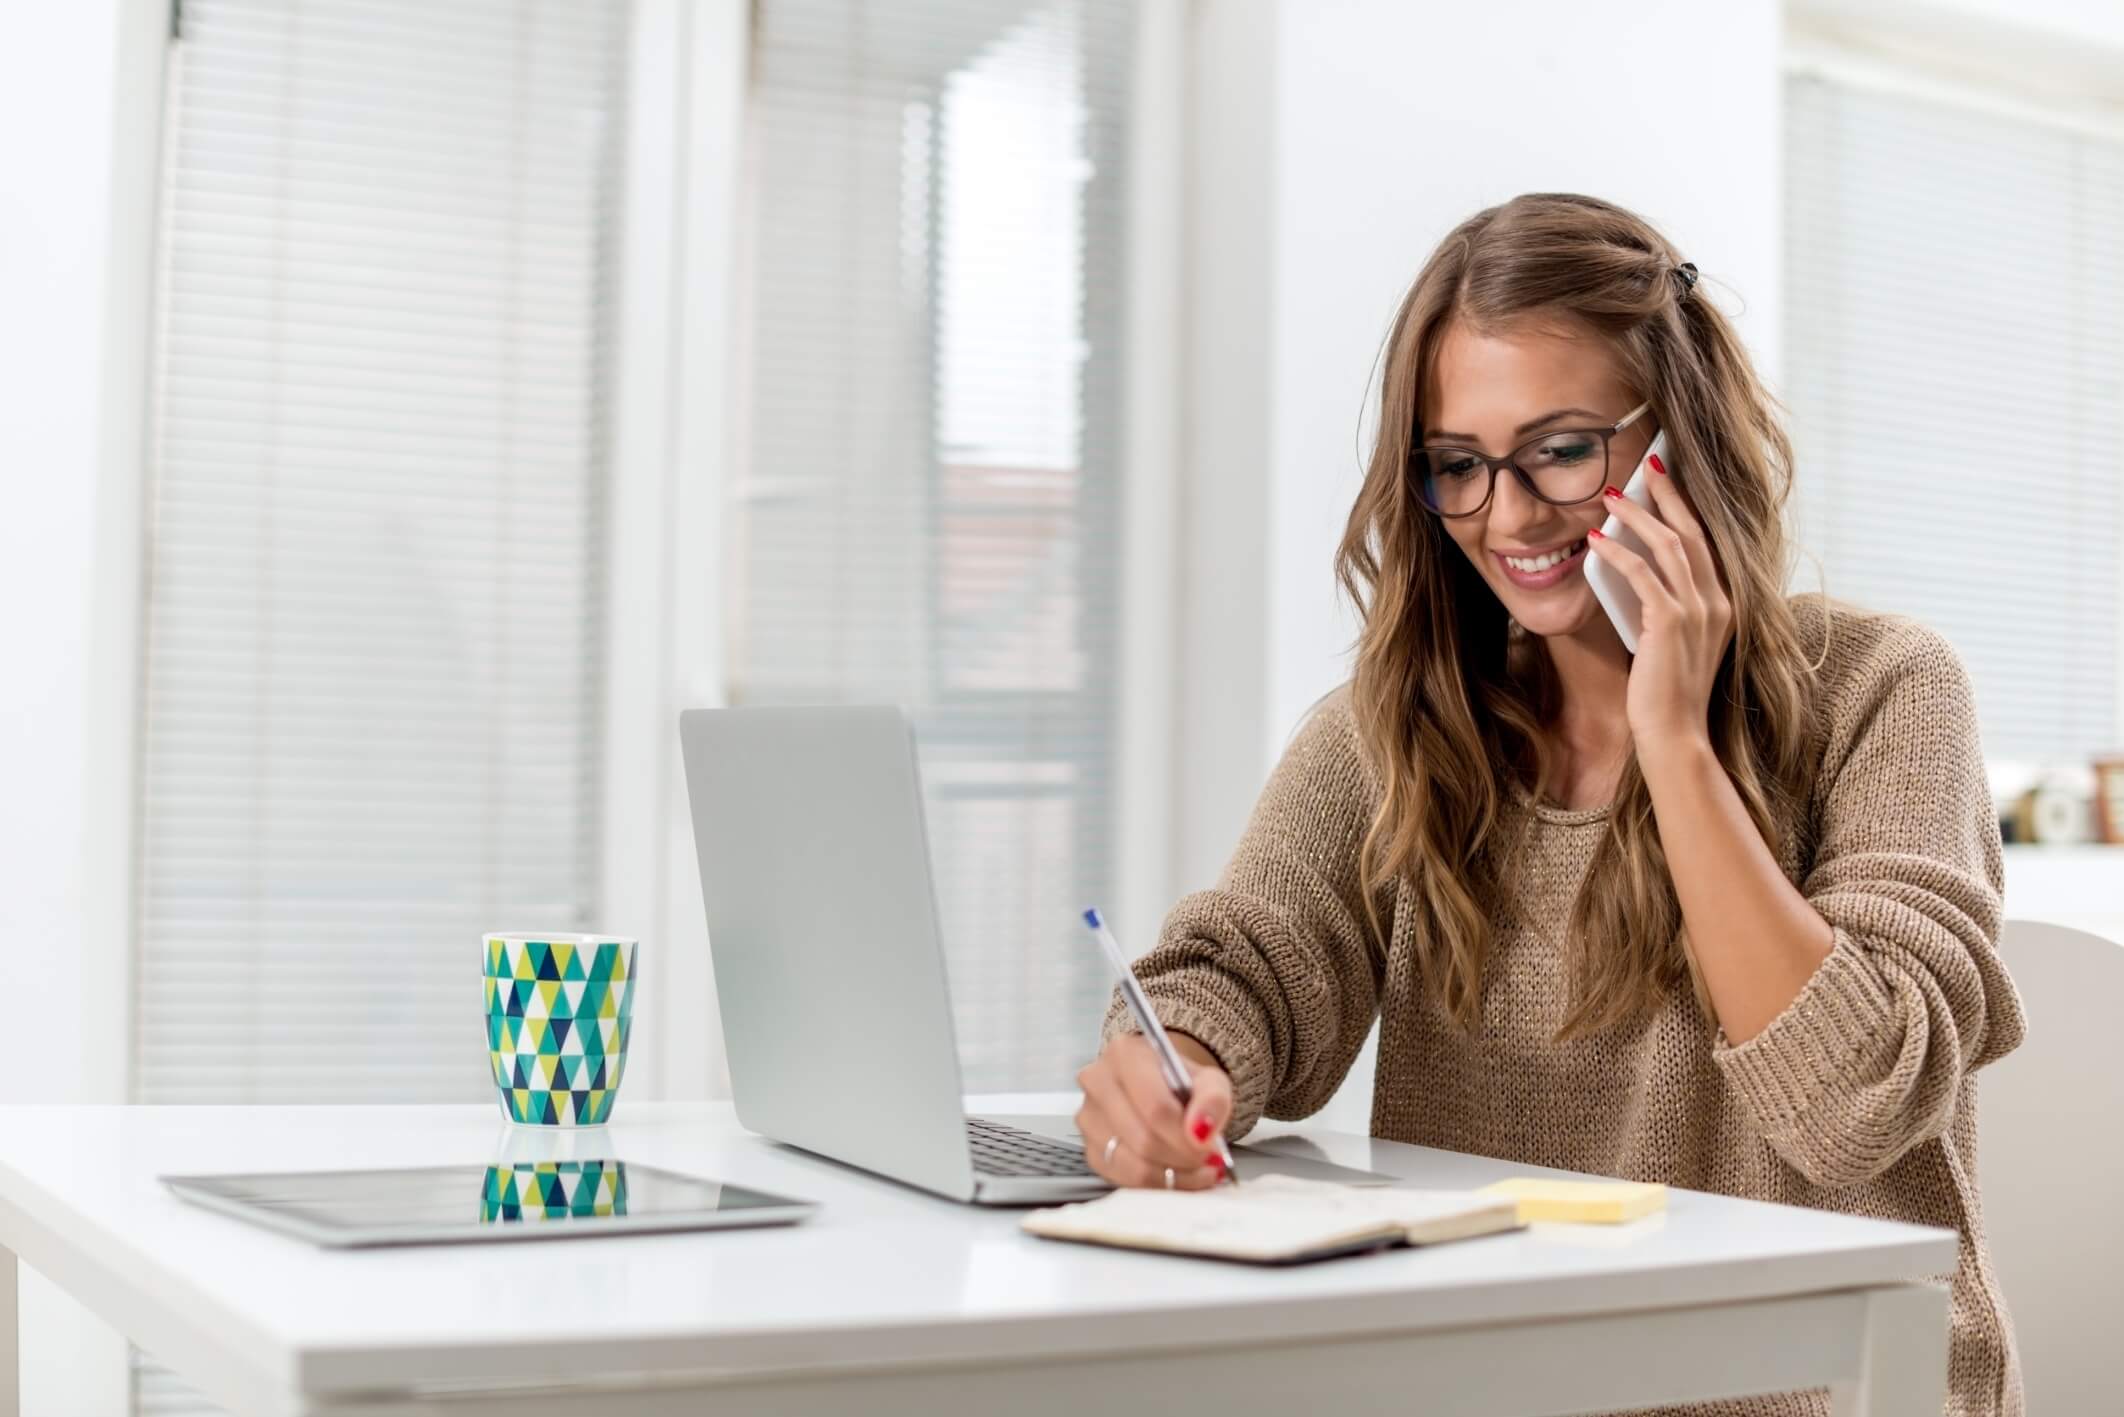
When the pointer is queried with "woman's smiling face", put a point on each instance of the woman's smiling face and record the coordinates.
(1493, 393)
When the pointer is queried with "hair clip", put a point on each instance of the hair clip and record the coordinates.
(1687, 271)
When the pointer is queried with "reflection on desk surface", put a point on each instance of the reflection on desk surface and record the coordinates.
(489, 1194)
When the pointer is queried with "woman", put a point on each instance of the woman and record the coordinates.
(1722, 914)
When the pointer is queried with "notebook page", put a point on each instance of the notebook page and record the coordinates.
(1271, 1217)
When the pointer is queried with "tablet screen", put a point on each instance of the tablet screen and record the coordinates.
(501, 1201)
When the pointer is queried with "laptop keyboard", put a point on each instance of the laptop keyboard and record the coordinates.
(999, 1150)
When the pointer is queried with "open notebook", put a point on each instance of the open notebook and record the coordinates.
(1276, 1219)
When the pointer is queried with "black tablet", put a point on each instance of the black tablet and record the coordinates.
(528, 1200)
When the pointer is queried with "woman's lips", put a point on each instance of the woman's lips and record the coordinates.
(1542, 580)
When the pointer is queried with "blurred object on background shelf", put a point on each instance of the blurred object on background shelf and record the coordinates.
(2054, 812)
(2109, 800)
(2046, 802)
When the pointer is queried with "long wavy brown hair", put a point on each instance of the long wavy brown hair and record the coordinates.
(1452, 702)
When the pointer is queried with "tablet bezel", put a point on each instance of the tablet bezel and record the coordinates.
(205, 1191)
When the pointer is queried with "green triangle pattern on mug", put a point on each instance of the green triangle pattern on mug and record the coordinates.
(558, 1025)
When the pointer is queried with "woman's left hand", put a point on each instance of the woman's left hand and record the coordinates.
(1687, 617)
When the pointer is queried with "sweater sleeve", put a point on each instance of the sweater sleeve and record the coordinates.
(1275, 970)
(1868, 1060)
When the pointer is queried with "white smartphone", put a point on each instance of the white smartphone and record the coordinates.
(1616, 597)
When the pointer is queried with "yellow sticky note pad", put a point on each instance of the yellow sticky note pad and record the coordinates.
(1582, 1202)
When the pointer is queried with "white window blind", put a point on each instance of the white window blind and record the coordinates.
(373, 642)
(928, 512)
(1955, 347)
(369, 725)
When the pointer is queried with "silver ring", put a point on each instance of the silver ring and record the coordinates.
(1168, 1178)
(1112, 1144)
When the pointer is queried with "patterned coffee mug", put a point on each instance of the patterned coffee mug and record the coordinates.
(559, 1009)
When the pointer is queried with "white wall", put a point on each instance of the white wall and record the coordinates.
(80, 88)
(1221, 699)
(79, 95)
(672, 397)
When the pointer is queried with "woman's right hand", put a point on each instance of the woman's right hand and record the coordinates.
(1134, 1128)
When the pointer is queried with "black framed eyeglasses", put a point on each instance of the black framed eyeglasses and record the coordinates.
(1561, 467)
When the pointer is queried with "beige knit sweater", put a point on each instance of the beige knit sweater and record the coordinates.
(1860, 1097)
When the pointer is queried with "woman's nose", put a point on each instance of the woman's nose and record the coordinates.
(1511, 505)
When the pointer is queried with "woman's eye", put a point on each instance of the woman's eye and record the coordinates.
(1451, 466)
(1567, 452)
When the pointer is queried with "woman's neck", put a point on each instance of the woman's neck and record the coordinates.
(1591, 728)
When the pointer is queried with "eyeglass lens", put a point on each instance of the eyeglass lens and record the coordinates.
(1565, 467)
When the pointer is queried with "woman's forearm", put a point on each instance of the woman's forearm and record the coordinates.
(1755, 938)
(1192, 1049)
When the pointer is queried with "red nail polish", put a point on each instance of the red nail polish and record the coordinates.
(1595, 534)
(1201, 1129)
(1611, 492)
(1213, 1159)
(1656, 466)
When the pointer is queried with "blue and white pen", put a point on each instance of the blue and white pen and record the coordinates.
(1169, 1060)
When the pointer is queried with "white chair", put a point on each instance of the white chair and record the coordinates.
(2050, 1159)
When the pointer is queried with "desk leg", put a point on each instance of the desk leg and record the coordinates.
(10, 1336)
(1903, 1364)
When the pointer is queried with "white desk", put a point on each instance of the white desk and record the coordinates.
(889, 1301)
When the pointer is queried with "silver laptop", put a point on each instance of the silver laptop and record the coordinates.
(829, 967)
(829, 971)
